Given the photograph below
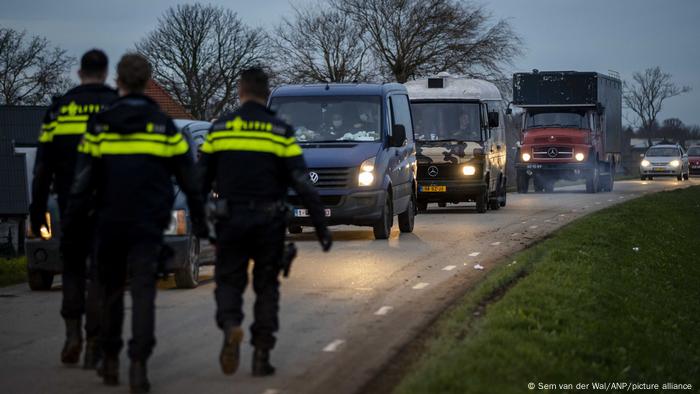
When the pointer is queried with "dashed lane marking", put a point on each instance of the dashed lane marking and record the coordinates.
(383, 310)
(421, 285)
(449, 267)
(333, 346)
(474, 254)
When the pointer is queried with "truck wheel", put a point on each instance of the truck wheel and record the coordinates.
(295, 229)
(504, 195)
(39, 280)
(187, 277)
(408, 218)
(523, 182)
(592, 181)
(482, 202)
(382, 229)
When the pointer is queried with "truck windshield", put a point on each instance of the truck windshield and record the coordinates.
(556, 119)
(332, 119)
(441, 121)
(660, 152)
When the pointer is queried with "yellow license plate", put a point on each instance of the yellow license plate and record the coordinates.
(433, 189)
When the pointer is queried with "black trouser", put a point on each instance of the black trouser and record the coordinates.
(79, 272)
(257, 235)
(126, 251)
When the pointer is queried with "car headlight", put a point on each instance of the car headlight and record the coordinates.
(580, 156)
(645, 163)
(526, 157)
(674, 163)
(44, 232)
(178, 223)
(366, 176)
(468, 170)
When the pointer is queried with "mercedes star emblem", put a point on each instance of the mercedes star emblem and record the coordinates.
(432, 171)
(314, 177)
(552, 152)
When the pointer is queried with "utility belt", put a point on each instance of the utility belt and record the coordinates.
(221, 208)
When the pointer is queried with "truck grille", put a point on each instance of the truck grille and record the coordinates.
(544, 140)
(338, 178)
(553, 152)
(444, 171)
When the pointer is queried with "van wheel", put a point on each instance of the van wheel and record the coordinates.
(295, 229)
(39, 280)
(408, 218)
(482, 201)
(382, 229)
(686, 176)
(187, 277)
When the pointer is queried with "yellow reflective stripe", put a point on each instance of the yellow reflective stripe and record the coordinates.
(73, 118)
(251, 145)
(69, 128)
(252, 134)
(133, 144)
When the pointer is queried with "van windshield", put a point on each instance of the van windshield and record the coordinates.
(556, 119)
(332, 119)
(446, 121)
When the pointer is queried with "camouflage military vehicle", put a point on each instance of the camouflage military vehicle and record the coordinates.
(460, 141)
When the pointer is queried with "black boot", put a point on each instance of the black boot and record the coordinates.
(93, 354)
(261, 363)
(138, 377)
(74, 342)
(109, 370)
(230, 351)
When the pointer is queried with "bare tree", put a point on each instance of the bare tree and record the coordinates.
(410, 38)
(198, 52)
(31, 71)
(319, 44)
(648, 91)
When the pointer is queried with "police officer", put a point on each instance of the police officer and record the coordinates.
(252, 158)
(62, 128)
(130, 153)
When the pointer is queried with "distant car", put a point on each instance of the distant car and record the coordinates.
(694, 160)
(664, 160)
(43, 256)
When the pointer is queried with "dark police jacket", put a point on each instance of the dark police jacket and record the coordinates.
(253, 156)
(62, 129)
(127, 159)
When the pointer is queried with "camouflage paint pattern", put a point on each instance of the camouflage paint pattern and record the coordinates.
(455, 152)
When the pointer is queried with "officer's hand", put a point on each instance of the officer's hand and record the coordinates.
(37, 220)
(200, 229)
(324, 238)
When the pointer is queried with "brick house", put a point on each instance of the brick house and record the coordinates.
(166, 102)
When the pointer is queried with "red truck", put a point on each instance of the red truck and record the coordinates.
(571, 129)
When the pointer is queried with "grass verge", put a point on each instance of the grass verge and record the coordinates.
(13, 271)
(582, 306)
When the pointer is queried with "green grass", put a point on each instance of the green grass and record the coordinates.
(13, 271)
(581, 306)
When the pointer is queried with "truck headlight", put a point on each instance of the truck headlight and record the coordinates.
(580, 156)
(178, 223)
(674, 163)
(526, 157)
(44, 232)
(468, 170)
(366, 176)
(645, 163)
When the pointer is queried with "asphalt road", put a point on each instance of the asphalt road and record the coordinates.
(343, 314)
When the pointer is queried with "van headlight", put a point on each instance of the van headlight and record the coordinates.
(366, 176)
(674, 163)
(178, 223)
(645, 163)
(526, 157)
(44, 232)
(580, 156)
(468, 170)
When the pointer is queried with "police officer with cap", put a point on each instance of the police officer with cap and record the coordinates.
(63, 127)
(129, 156)
(252, 158)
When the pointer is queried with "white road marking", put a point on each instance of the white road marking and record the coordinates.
(421, 285)
(495, 243)
(383, 310)
(474, 254)
(533, 226)
(449, 267)
(333, 346)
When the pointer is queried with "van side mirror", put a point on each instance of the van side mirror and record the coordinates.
(398, 135)
(493, 119)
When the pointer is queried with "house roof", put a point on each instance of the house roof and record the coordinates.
(21, 123)
(166, 102)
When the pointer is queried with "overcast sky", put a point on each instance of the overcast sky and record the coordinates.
(590, 35)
